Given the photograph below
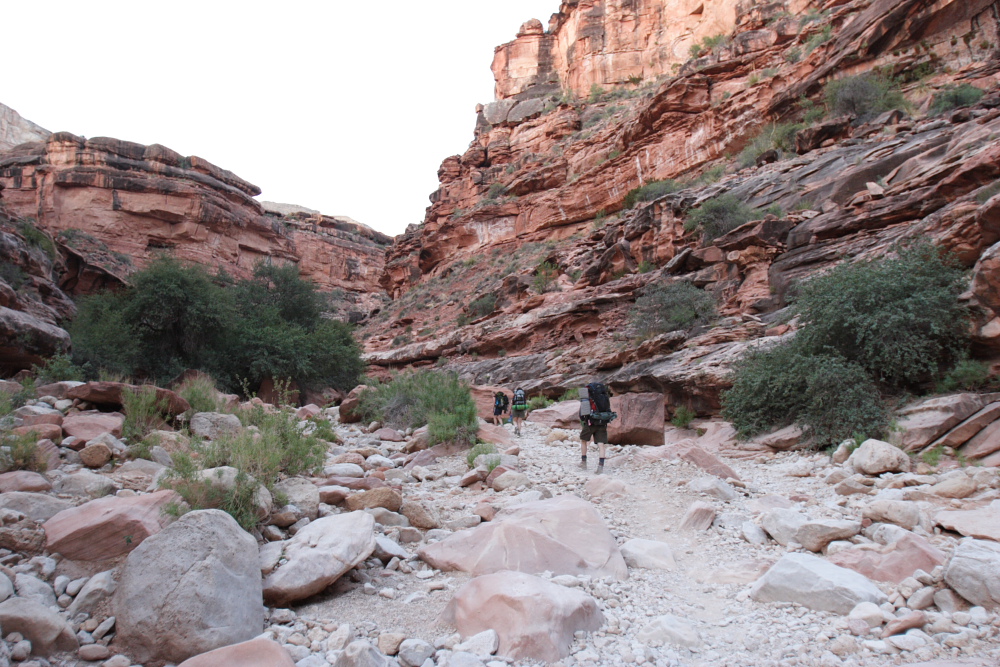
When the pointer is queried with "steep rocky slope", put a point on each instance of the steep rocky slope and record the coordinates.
(14, 129)
(542, 190)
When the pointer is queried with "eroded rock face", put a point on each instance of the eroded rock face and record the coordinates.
(192, 588)
(534, 618)
(564, 535)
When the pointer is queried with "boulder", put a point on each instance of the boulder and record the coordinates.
(349, 406)
(107, 527)
(483, 396)
(360, 654)
(420, 515)
(956, 486)
(45, 629)
(784, 439)
(24, 480)
(783, 524)
(815, 534)
(900, 512)
(893, 562)
(35, 506)
(191, 588)
(564, 535)
(225, 478)
(982, 523)
(380, 497)
(302, 493)
(815, 583)
(648, 554)
(924, 422)
(95, 455)
(699, 516)
(494, 435)
(602, 485)
(983, 443)
(640, 420)
(318, 555)
(972, 426)
(83, 483)
(211, 425)
(254, 653)
(88, 425)
(40, 431)
(875, 457)
(535, 619)
(706, 461)
(109, 394)
(565, 414)
(389, 435)
(98, 588)
(972, 572)
(713, 486)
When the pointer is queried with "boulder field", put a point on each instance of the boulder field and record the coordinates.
(394, 554)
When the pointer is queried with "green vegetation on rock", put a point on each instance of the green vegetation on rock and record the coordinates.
(956, 97)
(668, 307)
(863, 96)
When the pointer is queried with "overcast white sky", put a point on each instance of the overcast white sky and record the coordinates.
(345, 107)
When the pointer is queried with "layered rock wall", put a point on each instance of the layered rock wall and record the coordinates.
(118, 204)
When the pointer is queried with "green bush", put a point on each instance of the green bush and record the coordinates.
(545, 277)
(777, 136)
(669, 307)
(683, 416)
(277, 447)
(720, 216)
(12, 275)
(863, 96)
(496, 190)
(433, 398)
(200, 393)
(483, 306)
(539, 402)
(956, 97)
(59, 368)
(174, 317)
(650, 191)
(967, 375)
(477, 451)
(20, 452)
(143, 413)
(822, 37)
(898, 318)
(829, 397)
(35, 237)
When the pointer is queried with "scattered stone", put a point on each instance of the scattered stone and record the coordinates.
(668, 629)
(648, 554)
(699, 516)
(972, 572)
(815, 583)
(381, 497)
(254, 653)
(45, 629)
(210, 425)
(875, 457)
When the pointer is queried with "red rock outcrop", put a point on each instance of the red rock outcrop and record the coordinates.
(116, 204)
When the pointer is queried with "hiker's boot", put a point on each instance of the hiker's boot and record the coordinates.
(583, 464)
(599, 470)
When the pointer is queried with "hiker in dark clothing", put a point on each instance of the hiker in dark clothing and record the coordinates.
(500, 403)
(595, 415)
(519, 409)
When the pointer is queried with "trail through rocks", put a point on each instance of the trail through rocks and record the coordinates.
(706, 594)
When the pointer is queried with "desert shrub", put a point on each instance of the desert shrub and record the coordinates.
(58, 368)
(10, 401)
(12, 274)
(863, 96)
(483, 306)
(721, 215)
(200, 393)
(20, 452)
(539, 402)
(545, 277)
(414, 399)
(779, 136)
(967, 374)
(822, 37)
(650, 191)
(174, 317)
(683, 416)
(898, 318)
(707, 44)
(143, 412)
(829, 397)
(669, 307)
(477, 451)
(278, 446)
(496, 190)
(238, 500)
(324, 430)
(35, 237)
(956, 97)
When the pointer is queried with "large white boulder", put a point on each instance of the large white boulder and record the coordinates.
(972, 572)
(648, 554)
(44, 628)
(815, 583)
(564, 535)
(211, 425)
(535, 619)
(875, 457)
(318, 555)
(668, 629)
(191, 588)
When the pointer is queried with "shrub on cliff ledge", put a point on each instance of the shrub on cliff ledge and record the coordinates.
(956, 97)
(863, 96)
(663, 308)
(174, 317)
(720, 216)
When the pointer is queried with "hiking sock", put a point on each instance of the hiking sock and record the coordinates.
(583, 462)
(600, 462)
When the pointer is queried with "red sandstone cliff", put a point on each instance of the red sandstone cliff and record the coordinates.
(545, 182)
(112, 205)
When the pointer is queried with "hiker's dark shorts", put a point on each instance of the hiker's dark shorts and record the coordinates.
(599, 433)
(498, 411)
(518, 414)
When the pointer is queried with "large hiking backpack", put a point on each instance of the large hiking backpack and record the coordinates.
(500, 401)
(520, 400)
(600, 403)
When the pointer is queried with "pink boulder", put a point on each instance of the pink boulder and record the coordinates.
(349, 406)
(564, 535)
(565, 415)
(894, 562)
(389, 435)
(107, 527)
(534, 618)
(110, 394)
(88, 425)
(307, 411)
(640, 420)
(495, 435)
(254, 653)
(23, 480)
(40, 431)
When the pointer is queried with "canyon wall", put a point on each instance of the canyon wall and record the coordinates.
(113, 205)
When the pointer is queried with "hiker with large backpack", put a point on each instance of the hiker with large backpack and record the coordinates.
(500, 403)
(595, 415)
(519, 409)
